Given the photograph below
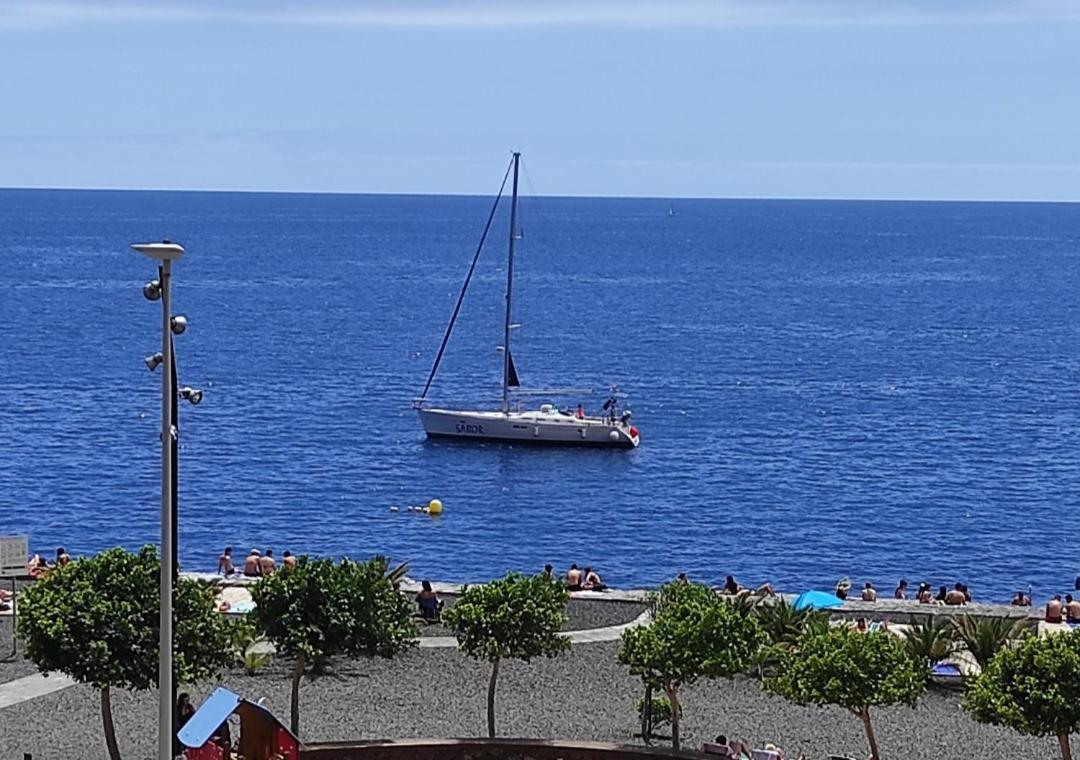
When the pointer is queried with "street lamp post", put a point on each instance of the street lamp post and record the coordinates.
(165, 253)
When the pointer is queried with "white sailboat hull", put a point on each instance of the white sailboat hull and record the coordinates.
(528, 427)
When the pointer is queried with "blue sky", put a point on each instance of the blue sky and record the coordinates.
(731, 98)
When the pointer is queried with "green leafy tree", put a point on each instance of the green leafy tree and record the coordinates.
(852, 670)
(694, 634)
(516, 617)
(984, 637)
(322, 609)
(97, 620)
(1033, 688)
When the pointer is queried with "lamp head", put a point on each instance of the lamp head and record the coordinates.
(163, 251)
(152, 290)
(191, 395)
(153, 361)
(179, 324)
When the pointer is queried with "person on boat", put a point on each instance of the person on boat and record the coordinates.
(869, 594)
(1053, 609)
(288, 561)
(267, 564)
(427, 602)
(1072, 609)
(251, 564)
(592, 581)
(901, 590)
(580, 413)
(225, 563)
(573, 578)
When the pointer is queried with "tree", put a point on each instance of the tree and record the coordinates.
(931, 639)
(515, 617)
(984, 637)
(852, 670)
(1033, 688)
(322, 609)
(97, 620)
(694, 634)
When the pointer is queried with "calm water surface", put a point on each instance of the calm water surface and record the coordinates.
(824, 389)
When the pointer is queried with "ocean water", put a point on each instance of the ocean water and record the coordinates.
(824, 389)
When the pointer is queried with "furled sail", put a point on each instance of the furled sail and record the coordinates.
(512, 380)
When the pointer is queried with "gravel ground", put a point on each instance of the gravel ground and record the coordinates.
(9, 671)
(584, 694)
(581, 615)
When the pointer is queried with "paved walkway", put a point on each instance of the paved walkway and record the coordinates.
(37, 685)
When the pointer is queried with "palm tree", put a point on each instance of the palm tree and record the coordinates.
(984, 637)
(932, 638)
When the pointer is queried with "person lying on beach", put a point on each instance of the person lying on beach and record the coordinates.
(225, 563)
(5, 599)
(901, 591)
(592, 581)
(288, 561)
(868, 593)
(267, 563)
(1053, 609)
(1072, 609)
(251, 564)
(38, 567)
(428, 604)
(573, 578)
(956, 597)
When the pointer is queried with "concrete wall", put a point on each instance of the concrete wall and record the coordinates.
(485, 749)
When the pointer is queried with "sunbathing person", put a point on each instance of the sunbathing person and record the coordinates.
(225, 563)
(956, 597)
(427, 602)
(1072, 609)
(592, 581)
(573, 578)
(251, 564)
(1053, 610)
(267, 563)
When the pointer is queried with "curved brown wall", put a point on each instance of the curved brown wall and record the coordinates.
(485, 749)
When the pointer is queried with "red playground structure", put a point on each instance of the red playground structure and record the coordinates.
(207, 735)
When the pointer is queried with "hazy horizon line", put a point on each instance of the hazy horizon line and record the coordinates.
(583, 196)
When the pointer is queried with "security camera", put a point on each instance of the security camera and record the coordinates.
(153, 361)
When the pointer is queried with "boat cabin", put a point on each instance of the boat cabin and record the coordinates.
(207, 734)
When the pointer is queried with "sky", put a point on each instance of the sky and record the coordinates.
(923, 99)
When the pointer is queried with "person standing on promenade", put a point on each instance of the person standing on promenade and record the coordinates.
(267, 565)
(573, 578)
(901, 591)
(868, 593)
(225, 563)
(251, 564)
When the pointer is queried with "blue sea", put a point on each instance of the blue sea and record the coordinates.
(878, 390)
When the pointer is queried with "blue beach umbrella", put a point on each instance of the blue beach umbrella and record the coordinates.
(817, 600)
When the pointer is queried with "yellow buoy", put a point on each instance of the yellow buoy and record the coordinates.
(434, 507)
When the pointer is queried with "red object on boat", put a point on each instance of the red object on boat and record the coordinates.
(633, 431)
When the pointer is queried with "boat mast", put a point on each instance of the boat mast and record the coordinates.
(509, 290)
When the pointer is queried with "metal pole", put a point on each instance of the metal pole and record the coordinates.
(174, 396)
(165, 705)
(509, 291)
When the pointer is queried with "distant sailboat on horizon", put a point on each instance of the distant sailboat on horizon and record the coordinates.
(547, 425)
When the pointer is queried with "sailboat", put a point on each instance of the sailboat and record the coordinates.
(545, 425)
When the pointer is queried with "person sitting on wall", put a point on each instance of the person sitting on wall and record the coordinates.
(267, 563)
(225, 563)
(1072, 609)
(901, 591)
(592, 581)
(573, 578)
(1053, 609)
(868, 593)
(427, 601)
(251, 564)
(956, 596)
(288, 561)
